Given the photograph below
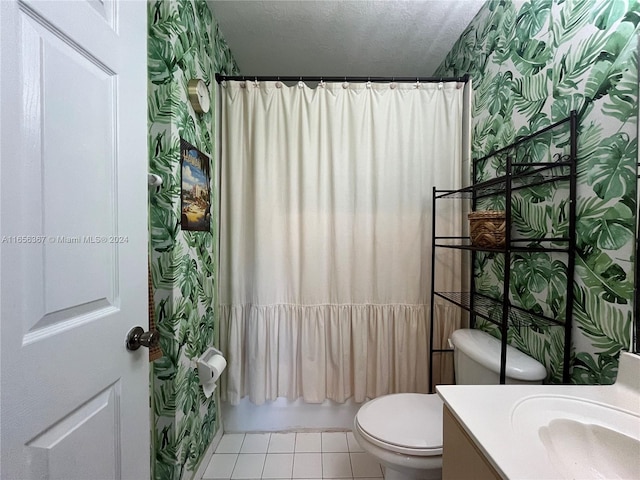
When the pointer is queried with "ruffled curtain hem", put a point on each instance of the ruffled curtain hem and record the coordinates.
(324, 352)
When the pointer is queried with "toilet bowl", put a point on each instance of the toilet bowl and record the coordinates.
(403, 431)
(398, 430)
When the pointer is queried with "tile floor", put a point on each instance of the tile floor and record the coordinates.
(298, 456)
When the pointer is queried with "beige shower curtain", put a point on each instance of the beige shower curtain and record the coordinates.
(326, 235)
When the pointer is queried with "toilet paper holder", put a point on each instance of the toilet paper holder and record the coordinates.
(210, 365)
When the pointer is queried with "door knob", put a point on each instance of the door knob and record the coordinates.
(138, 337)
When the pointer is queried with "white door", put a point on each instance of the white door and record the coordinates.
(74, 402)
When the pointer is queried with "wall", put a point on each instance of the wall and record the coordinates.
(532, 63)
(184, 43)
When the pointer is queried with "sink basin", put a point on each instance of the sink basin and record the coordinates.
(580, 450)
(583, 439)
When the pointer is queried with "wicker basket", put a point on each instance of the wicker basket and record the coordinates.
(487, 228)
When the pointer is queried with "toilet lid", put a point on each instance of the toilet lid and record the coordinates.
(406, 423)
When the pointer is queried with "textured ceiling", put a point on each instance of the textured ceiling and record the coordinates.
(395, 38)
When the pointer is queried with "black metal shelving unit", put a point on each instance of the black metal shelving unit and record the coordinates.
(518, 172)
(636, 287)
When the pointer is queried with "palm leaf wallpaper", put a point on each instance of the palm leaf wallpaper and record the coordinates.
(532, 62)
(183, 43)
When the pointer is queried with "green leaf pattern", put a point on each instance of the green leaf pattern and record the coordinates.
(533, 62)
(183, 43)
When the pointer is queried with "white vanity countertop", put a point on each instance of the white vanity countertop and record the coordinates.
(489, 415)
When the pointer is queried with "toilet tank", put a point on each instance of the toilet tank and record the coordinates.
(476, 358)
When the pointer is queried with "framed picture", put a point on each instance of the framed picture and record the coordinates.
(195, 192)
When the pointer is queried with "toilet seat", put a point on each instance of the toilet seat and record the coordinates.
(416, 428)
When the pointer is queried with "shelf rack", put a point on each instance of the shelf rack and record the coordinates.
(517, 173)
(636, 293)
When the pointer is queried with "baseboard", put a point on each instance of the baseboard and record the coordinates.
(206, 458)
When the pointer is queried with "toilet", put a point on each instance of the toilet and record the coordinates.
(403, 431)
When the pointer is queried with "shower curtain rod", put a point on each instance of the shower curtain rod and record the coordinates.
(221, 78)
